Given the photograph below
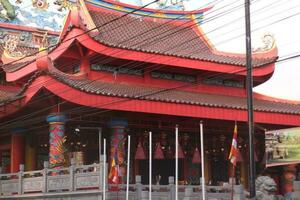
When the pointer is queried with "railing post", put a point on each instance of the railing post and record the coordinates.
(71, 169)
(45, 177)
(145, 195)
(238, 192)
(172, 187)
(296, 193)
(106, 175)
(188, 193)
(101, 172)
(20, 176)
(138, 184)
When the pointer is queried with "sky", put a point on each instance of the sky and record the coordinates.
(224, 27)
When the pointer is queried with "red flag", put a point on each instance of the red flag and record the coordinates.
(113, 175)
(234, 150)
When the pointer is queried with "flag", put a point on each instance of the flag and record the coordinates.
(113, 174)
(234, 150)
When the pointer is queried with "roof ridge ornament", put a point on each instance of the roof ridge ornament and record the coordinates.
(44, 43)
(268, 43)
(173, 4)
(64, 5)
(10, 46)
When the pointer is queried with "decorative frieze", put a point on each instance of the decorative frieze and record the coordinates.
(220, 81)
(173, 76)
(117, 69)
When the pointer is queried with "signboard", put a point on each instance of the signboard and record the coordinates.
(282, 147)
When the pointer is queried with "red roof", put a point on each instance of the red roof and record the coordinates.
(171, 95)
(161, 37)
(8, 96)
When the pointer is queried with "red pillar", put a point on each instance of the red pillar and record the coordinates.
(56, 140)
(17, 151)
(117, 167)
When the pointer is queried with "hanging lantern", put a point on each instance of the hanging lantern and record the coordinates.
(180, 152)
(255, 156)
(169, 153)
(239, 157)
(140, 153)
(158, 154)
(196, 156)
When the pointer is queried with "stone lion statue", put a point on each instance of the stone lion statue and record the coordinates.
(265, 188)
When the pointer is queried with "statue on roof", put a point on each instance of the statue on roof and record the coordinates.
(268, 42)
(41, 4)
(7, 10)
(171, 4)
(64, 5)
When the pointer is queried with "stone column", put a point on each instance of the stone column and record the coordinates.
(56, 139)
(17, 150)
(117, 168)
(30, 153)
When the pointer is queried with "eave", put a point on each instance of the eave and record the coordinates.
(78, 21)
(126, 54)
(166, 108)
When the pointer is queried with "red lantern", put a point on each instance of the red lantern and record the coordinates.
(239, 157)
(255, 156)
(180, 152)
(140, 153)
(158, 154)
(196, 156)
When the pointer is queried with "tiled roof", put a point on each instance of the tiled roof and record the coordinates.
(161, 38)
(174, 96)
(14, 66)
(6, 96)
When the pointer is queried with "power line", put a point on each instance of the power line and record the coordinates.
(145, 44)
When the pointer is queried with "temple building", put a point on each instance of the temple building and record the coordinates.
(120, 70)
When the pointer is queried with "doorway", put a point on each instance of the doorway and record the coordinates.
(163, 168)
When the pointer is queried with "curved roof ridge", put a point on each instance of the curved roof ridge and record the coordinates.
(172, 95)
(275, 99)
(267, 50)
(155, 13)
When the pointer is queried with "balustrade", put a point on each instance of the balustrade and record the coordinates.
(73, 178)
(87, 180)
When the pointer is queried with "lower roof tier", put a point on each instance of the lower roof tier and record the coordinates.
(149, 99)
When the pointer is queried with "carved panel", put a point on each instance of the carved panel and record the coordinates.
(173, 76)
(87, 181)
(60, 182)
(10, 186)
(33, 184)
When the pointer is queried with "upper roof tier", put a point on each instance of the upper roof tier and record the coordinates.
(175, 33)
(162, 35)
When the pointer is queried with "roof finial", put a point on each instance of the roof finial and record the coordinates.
(44, 43)
(268, 43)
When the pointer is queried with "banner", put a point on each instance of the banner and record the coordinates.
(282, 147)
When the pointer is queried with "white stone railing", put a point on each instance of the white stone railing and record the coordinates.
(167, 192)
(87, 181)
(73, 178)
